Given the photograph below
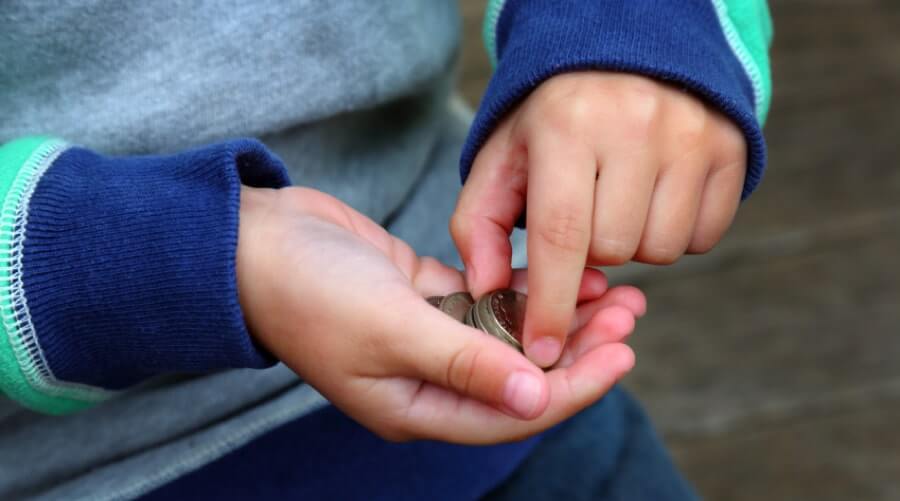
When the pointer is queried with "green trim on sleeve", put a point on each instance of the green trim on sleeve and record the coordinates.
(24, 373)
(489, 28)
(747, 25)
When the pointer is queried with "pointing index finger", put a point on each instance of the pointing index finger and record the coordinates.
(560, 205)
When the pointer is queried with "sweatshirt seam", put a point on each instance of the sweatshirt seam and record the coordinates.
(14, 312)
(743, 55)
(210, 452)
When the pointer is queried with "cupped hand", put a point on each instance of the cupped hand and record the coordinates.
(613, 167)
(341, 302)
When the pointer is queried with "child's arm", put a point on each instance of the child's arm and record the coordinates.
(629, 128)
(114, 270)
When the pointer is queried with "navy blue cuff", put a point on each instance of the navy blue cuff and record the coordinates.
(680, 42)
(129, 263)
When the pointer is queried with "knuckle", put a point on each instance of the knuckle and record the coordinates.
(561, 230)
(732, 173)
(706, 237)
(701, 244)
(380, 345)
(660, 253)
(429, 263)
(692, 113)
(733, 144)
(692, 131)
(582, 110)
(427, 266)
(462, 368)
(459, 226)
(576, 115)
(612, 251)
(642, 111)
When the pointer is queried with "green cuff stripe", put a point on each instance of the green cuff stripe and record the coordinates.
(489, 29)
(747, 25)
(24, 373)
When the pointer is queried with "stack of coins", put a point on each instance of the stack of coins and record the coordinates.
(500, 313)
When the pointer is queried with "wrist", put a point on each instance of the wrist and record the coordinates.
(256, 204)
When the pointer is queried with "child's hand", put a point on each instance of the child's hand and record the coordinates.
(613, 167)
(341, 301)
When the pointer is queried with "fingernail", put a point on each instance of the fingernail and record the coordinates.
(522, 393)
(544, 352)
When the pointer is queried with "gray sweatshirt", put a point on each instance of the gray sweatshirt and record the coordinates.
(352, 95)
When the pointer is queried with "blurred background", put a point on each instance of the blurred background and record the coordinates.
(772, 365)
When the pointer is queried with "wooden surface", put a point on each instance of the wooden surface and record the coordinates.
(772, 365)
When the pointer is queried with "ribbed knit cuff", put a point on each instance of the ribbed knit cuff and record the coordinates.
(127, 268)
(681, 42)
(24, 375)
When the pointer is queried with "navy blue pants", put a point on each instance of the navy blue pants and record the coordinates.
(607, 452)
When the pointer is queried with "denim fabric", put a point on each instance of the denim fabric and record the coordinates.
(349, 463)
(608, 452)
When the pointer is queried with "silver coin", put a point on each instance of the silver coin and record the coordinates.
(501, 314)
(478, 313)
(457, 305)
(508, 308)
(471, 321)
(435, 301)
(468, 319)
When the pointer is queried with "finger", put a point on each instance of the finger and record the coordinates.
(623, 193)
(433, 278)
(399, 252)
(626, 296)
(488, 207)
(434, 413)
(427, 275)
(468, 362)
(673, 210)
(610, 324)
(722, 193)
(593, 283)
(560, 201)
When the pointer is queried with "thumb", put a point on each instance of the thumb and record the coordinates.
(472, 364)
